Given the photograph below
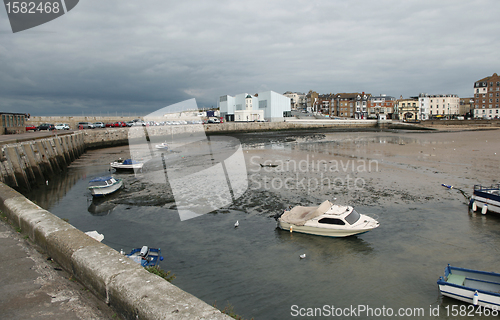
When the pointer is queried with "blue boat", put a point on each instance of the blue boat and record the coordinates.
(486, 198)
(126, 165)
(102, 186)
(477, 287)
(146, 256)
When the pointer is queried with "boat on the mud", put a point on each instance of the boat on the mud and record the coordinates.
(162, 146)
(477, 287)
(126, 165)
(146, 256)
(486, 198)
(102, 186)
(328, 220)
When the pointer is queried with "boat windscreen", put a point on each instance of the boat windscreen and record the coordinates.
(97, 183)
(353, 217)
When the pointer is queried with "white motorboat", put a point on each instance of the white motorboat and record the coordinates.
(162, 146)
(328, 220)
(486, 198)
(126, 165)
(472, 286)
(102, 186)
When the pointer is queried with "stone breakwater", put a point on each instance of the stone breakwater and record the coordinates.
(25, 164)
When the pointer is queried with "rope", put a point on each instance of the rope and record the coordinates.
(461, 191)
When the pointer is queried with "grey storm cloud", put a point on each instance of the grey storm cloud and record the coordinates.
(136, 57)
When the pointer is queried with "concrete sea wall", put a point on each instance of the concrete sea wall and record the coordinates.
(125, 285)
(25, 164)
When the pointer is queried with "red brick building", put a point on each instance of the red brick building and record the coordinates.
(487, 97)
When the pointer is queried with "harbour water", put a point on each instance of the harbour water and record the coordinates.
(256, 267)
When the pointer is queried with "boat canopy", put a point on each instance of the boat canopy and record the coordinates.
(101, 181)
(130, 161)
(299, 215)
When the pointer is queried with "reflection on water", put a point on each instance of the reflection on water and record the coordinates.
(101, 206)
(325, 246)
(55, 188)
(256, 267)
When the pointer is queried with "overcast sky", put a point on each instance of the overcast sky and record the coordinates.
(129, 56)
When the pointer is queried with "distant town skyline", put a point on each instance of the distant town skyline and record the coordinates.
(128, 57)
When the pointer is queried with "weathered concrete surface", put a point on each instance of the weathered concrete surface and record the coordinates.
(127, 287)
(33, 286)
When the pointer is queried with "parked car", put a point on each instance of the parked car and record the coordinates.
(46, 126)
(99, 125)
(31, 127)
(62, 126)
(120, 124)
(85, 125)
(109, 125)
(130, 123)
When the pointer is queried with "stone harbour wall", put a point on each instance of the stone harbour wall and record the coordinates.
(23, 165)
(123, 284)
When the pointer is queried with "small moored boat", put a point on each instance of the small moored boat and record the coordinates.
(102, 186)
(326, 220)
(486, 198)
(477, 287)
(126, 165)
(146, 256)
(162, 146)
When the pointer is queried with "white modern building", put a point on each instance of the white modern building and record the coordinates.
(268, 106)
(227, 106)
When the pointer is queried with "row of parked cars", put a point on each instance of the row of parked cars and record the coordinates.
(48, 126)
(90, 125)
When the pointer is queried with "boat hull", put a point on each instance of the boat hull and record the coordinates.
(325, 232)
(486, 198)
(103, 191)
(462, 284)
(126, 167)
(467, 295)
(491, 204)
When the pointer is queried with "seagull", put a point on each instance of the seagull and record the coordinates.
(236, 224)
(302, 256)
